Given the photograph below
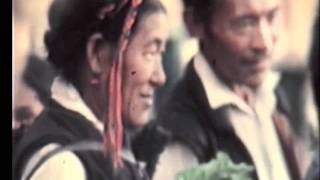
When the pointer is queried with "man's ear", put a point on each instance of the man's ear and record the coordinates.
(194, 28)
(98, 53)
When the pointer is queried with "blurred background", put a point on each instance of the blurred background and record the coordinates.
(32, 75)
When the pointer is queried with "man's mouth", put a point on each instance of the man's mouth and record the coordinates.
(257, 65)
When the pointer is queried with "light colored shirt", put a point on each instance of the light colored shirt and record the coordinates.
(175, 158)
(65, 165)
(252, 124)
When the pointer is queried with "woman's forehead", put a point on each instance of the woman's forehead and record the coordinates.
(153, 26)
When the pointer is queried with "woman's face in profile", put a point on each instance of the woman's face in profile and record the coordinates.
(143, 71)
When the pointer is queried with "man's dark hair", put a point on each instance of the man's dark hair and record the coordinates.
(72, 22)
(202, 9)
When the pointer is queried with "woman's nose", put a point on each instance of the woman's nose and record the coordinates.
(158, 77)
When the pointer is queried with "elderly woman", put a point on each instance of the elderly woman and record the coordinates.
(109, 56)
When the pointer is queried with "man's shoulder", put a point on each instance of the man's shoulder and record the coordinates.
(184, 112)
(181, 107)
(184, 97)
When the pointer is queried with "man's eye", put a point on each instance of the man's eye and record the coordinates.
(271, 16)
(245, 22)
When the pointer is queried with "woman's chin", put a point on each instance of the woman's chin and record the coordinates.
(141, 120)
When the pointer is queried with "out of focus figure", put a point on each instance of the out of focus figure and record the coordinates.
(32, 75)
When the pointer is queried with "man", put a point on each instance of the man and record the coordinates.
(229, 99)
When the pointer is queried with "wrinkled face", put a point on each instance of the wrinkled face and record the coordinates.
(240, 40)
(143, 70)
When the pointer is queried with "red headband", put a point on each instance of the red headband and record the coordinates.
(113, 137)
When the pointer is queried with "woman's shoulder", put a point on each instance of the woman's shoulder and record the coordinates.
(63, 165)
(40, 137)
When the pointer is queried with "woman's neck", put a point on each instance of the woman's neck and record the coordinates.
(91, 95)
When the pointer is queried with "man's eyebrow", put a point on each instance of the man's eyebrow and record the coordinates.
(254, 16)
(273, 10)
(243, 17)
(246, 16)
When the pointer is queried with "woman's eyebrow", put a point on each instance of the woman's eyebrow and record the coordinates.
(157, 41)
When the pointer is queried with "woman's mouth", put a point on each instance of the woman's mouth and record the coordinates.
(147, 99)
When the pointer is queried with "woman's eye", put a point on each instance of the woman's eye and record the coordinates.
(152, 51)
(151, 54)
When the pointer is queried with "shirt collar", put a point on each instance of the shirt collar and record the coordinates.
(219, 94)
(67, 96)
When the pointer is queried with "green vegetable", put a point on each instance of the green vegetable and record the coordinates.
(221, 168)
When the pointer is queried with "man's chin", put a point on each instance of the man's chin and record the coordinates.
(256, 81)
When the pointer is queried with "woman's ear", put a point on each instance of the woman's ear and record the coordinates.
(98, 53)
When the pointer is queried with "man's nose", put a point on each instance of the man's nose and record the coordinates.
(158, 77)
(264, 38)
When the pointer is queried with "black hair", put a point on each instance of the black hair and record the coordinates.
(71, 23)
(203, 9)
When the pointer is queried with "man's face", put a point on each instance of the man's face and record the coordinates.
(143, 70)
(240, 39)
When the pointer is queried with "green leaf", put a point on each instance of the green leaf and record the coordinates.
(221, 168)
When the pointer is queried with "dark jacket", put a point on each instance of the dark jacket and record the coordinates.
(188, 116)
(59, 125)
